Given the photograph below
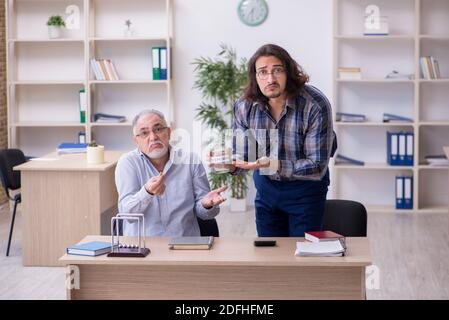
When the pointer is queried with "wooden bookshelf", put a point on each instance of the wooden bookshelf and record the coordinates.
(44, 75)
(416, 28)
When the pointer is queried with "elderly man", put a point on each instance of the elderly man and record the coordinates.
(170, 194)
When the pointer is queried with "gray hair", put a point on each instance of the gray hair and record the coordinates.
(147, 112)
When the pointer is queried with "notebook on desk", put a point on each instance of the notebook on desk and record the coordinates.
(191, 243)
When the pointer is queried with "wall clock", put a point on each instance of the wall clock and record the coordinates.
(252, 12)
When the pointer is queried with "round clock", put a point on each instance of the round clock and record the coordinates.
(253, 12)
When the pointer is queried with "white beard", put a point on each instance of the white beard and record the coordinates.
(158, 153)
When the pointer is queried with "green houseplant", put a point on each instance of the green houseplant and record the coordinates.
(221, 81)
(55, 24)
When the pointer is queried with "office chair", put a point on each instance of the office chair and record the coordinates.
(208, 227)
(345, 217)
(10, 158)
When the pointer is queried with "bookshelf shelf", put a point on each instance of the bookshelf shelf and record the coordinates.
(111, 124)
(417, 28)
(372, 166)
(376, 81)
(48, 124)
(373, 124)
(45, 76)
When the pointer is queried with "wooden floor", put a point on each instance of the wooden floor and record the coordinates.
(410, 250)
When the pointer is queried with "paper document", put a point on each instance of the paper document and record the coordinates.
(319, 249)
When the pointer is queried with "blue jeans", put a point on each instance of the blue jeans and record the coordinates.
(289, 208)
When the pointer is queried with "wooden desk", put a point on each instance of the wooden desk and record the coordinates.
(232, 269)
(63, 201)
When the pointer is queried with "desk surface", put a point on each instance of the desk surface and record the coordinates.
(69, 162)
(229, 251)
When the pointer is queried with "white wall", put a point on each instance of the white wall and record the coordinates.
(302, 27)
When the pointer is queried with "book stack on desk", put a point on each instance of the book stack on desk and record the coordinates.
(93, 248)
(322, 236)
(332, 248)
(69, 147)
(191, 243)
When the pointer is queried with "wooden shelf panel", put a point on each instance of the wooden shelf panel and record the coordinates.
(48, 124)
(372, 166)
(374, 124)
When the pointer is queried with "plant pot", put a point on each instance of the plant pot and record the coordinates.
(54, 32)
(237, 205)
(95, 155)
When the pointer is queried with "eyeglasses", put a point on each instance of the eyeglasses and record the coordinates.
(156, 130)
(276, 72)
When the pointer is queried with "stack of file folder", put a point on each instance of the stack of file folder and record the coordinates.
(350, 117)
(103, 117)
(339, 159)
(400, 149)
(320, 249)
(388, 117)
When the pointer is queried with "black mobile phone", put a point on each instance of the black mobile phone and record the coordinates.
(264, 243)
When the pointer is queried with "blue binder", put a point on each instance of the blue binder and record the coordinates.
(163, 63)
(399, 190)
(409, 148)
(408, 193)
(392, 149)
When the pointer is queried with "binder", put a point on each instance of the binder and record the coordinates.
(82, 105)
(156, 63)
(401, 145)
(81, 137)
(409, 152)
(163, 63)
(408, 193)
(399, 189)
(392, 149)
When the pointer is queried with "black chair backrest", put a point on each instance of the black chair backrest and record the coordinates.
(208, 227)
(345, 217)
(10, 158)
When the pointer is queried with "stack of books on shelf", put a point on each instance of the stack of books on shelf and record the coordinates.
(109, 118)
(430, 68)
(339, 159)
(70, 147)
(350, 117)
(388, 117)
(404, 192)
(159, 61)
(400, 149)
(437, 160)
(349, 73)
(103, 69)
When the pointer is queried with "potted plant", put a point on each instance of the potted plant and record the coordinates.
(221, 82)
(55, 24)
(95, 153)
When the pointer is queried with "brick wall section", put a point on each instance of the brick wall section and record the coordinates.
(3, 123)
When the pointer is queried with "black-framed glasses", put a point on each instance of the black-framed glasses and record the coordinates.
(146, 132)
(276, 72)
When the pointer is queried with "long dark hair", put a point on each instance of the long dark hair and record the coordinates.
(296, 77)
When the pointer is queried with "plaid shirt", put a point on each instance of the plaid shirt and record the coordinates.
(305, 136)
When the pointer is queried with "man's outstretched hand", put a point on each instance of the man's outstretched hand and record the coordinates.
(213, 198)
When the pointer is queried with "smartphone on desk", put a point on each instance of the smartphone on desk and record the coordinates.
(264, 243)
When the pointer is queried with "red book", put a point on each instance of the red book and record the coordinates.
(318, 236)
